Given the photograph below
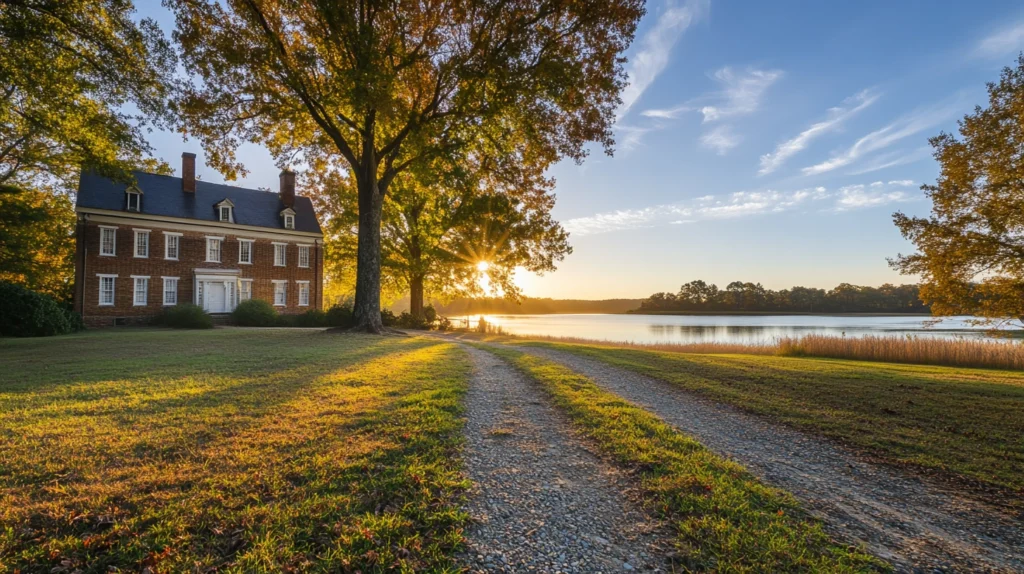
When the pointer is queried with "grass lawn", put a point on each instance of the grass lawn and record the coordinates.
(235, 450)
(962, 424)
(724, 518)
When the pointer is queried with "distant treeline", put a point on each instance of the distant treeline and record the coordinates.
(698, 296)
(531, 306)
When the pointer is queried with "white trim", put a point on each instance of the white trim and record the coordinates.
(299, 293)
(252, 250)
(220, 249)
(135, 290)
(114, 242)
(114, 275)
(177, 282)
(110, 216)
(221, 237)
(167, 243)
(113, 289)
(298, 255)
(283, 282)
(248, 291)
(135, 234)
(216, 272)
(284, 256)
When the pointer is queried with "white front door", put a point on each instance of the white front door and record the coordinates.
(214, 300)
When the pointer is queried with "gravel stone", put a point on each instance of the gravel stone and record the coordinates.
(542, 502)
(914, 523)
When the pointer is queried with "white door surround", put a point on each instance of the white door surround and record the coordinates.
(216, 290)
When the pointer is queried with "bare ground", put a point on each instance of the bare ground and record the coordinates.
(916, 525)
(541, 501)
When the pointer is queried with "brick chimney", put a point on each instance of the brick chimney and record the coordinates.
(287, 192)
(188, 172)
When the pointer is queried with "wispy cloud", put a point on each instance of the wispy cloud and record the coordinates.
(904, 127)
(892, 159)
(721, 139)
(741, 93)
(655, 48)
(1006, 40)
(836, 116)
(745, 204)
(873, 195)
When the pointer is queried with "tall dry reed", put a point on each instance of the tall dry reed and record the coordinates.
(983, 353)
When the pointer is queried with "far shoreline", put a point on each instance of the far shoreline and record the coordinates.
(775, 313)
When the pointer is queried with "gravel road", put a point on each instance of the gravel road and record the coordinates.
(918, 526)
(541, 502)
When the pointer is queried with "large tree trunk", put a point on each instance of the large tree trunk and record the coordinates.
(416, 296)
(367, 304)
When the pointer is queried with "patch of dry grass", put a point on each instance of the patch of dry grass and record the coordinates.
(992, 354)
(229, 450)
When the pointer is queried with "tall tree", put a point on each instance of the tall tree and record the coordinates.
(68, 71)
(971, 248)
(449, 225)
(36, 250)
(391, 86)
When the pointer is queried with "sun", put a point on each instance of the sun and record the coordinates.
(483, 266)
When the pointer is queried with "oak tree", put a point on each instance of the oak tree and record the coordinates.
(970, 249)
(388, 87)
(69, 72)
(449, 226)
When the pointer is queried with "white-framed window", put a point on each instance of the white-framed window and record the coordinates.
(107, 289)
(303, 293)
(142, 243)
(134, 201)
(245, 251)
(170, 290)
(213, 245)
(244, 290)
(172, 245)
(280, 293)
(289, 221)
(108, 241)
(280, 254)
(303, 256)
(225, 213)
(140, 296)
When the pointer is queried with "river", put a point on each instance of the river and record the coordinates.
(746, 329)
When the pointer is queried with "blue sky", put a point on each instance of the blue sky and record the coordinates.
(759, 141)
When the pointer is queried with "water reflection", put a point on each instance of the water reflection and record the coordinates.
(759, 329)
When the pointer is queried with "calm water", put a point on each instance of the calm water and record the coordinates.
(722, 328)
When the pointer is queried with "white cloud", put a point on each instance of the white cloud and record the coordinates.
(721, 139)
(1006, 40)
(743, 204)
(892, 159)
(904, 127)
(739, 204)
(631, 136)
(861, 196)
(741, 93)
(655, 47)
(836, 116)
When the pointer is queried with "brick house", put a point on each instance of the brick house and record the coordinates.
(168, 240)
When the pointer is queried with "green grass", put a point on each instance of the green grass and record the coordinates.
(725, 519)
(234, 450)
(961, 424)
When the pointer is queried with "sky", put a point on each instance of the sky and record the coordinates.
(756, 141)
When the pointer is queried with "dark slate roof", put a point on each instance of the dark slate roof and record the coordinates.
(162, 195)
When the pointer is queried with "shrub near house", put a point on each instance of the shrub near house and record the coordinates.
(168, 240)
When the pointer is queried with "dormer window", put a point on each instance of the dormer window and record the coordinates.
(226, 211)
(134, 199)
(288, 218)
